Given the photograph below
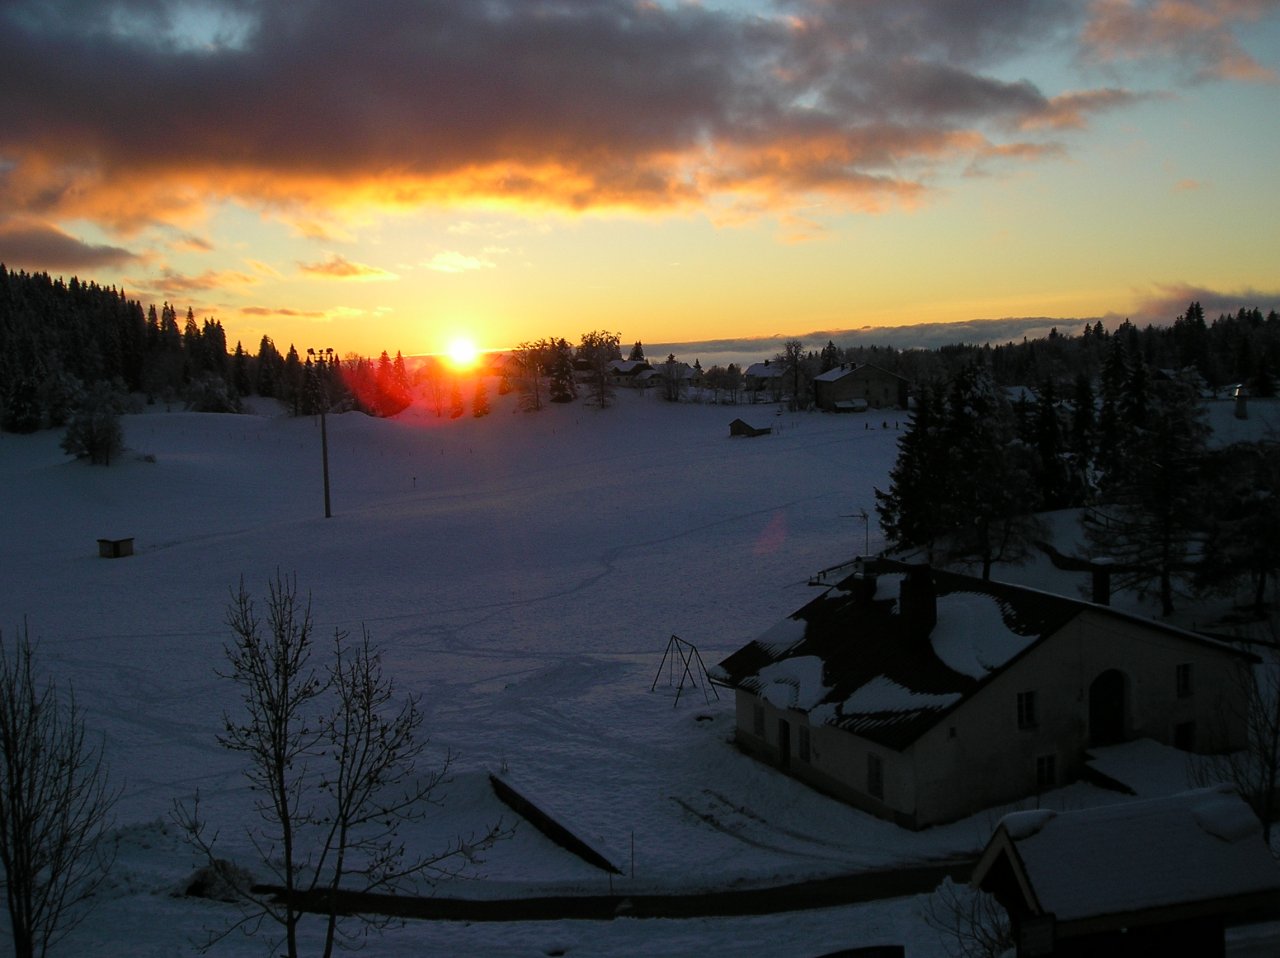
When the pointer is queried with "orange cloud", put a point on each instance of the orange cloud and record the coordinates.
(339, 267)
(1197, 32)
(536, 105)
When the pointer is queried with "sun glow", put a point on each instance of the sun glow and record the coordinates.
(462, 353)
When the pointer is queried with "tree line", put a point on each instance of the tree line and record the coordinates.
(1130, 449)
(64, 343)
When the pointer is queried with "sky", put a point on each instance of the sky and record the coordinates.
(398, 174)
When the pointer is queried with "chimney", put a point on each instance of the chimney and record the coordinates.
(1101, 569)
(863, 586)
(918, 603)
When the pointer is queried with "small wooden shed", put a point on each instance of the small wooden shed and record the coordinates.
(741, 428)
(1153, 877)
(115, 548)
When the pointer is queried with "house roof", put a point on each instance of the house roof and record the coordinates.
(850, 659)
(628, 367)
(1134, 856)
(845, 369)
(765, 370)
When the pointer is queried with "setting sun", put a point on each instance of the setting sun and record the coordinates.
(462, 353)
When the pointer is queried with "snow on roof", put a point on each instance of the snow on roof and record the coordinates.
(1194, 846)
(882, 694)
(781, 637)
(971, 636)
(834, 374)
(794, 683)
(1144, 766)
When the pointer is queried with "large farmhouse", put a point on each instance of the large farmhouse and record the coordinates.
(849, 387)
(924, 696)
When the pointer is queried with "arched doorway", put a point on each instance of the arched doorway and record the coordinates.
(1108, 708)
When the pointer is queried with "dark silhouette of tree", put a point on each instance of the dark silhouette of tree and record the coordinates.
(560, 384)
(595, 351)
(1147, 519)
(911, 511)
(1240, 521)
(94, 431)
(480, 401)
(55, 805)
(959, 486)
(530, 359)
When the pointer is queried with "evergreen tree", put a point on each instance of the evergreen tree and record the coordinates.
(911, 509)
(456, 405)
(269, 368)
(1240, 521)
(1148, 520)
(637, 353)
(240, 377)
(1053, 475)
(829, 358)
(21, 404)
(292, 380)
(560, 385)
(989, 514)
(959, 488)
(480, 402)
(94, 432)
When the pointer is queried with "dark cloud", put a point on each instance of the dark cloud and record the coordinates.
(112, 112)
(43, 247)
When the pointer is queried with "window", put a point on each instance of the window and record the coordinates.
(875, 776)
(1046, 771)
(1028, 715)
(757, 720)
(1183, 680)
(1184, 736)
(804, 743)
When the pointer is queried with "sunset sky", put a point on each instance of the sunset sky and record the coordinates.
(392, 174)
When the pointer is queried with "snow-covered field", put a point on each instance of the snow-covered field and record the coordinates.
(523, 573)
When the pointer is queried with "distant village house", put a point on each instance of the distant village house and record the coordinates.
(850, 388)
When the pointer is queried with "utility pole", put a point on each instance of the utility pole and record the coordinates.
(866, 528)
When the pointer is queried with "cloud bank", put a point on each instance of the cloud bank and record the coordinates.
(130, 112)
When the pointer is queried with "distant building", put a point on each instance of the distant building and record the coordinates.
(849, 387)
(1157, 877)
(765, 375)
(630, 372)
(924, 696)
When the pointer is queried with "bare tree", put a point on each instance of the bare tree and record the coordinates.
(55, 805)
(530, 359)
(971, 923)
(1254, 770)
(333, 762)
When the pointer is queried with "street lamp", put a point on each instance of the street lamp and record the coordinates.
(320, 370)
